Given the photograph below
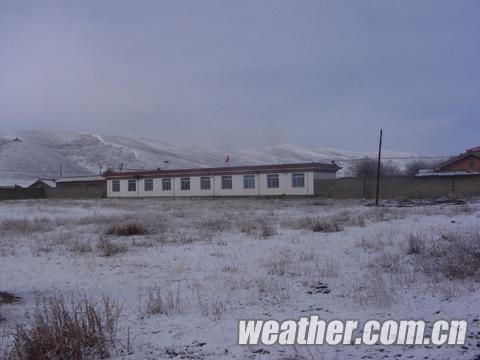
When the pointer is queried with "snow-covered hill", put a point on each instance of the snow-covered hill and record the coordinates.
(28, 155)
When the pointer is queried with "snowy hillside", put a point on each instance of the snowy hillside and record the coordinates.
(28, 155)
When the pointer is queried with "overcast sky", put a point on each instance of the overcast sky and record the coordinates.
(246, 73)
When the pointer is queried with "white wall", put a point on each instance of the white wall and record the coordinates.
(285, 186)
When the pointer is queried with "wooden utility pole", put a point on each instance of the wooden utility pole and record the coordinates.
(378, 167)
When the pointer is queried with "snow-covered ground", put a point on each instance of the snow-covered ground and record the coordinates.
(215, 261)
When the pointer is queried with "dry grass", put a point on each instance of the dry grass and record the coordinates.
(128, 229)
(267, 230)
(373, 289)
(213, 309)
(80, 246)
(280, 263)
(248, 227)
(109, 247)
(326, 226)
(454, 255)
(61, 331)
(415, 244)
(27, 226)
(329, 223)
(159, 303)
(215, 225)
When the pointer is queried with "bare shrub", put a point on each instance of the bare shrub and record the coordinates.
(331, 223)
(453, 255)
(273, 289)
(59, 331)
(326, 225)
(37, 246)
(128, 229)
(415, 244)
(80, 246)
(213, 309)
(371, 244)
(364, 168)
(386, 261)
(373, 289)
(348, 218)
(248, 227)
(158, 303)
(267, 230)
(217, 310)
(229, 268)
(280, 263)
(256, 227)
(109, 247)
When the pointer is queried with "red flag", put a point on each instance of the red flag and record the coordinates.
(227, 159)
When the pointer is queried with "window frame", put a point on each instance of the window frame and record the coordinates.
(296, 177)
(276, 178)
(204, 180)
(226, 179)
(150, 183)
(130, 187)
(247, 178)
(185, 181)
(166, 181)
(114, 183)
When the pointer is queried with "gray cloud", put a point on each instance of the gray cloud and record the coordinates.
(246, 73)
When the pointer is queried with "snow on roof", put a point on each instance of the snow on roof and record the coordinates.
(474, 149)
(315, 167)
(80, 178)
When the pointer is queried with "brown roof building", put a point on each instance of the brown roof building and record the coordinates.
(469, 161)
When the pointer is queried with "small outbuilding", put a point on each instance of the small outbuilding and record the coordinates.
(43, 184)
(80, 187)
(81, 182)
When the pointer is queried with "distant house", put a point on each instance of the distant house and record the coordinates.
(260, 180)
(80, 182)
(80, 187)
(43, 184)
(467, 163)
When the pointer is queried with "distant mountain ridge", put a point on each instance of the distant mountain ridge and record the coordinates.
(29, 155)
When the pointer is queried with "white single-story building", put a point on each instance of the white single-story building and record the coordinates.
(260, 180)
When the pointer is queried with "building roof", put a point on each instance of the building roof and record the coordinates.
(253, 169)
(474, 149)
(48, 182)
(79, 178)
(470, 152)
